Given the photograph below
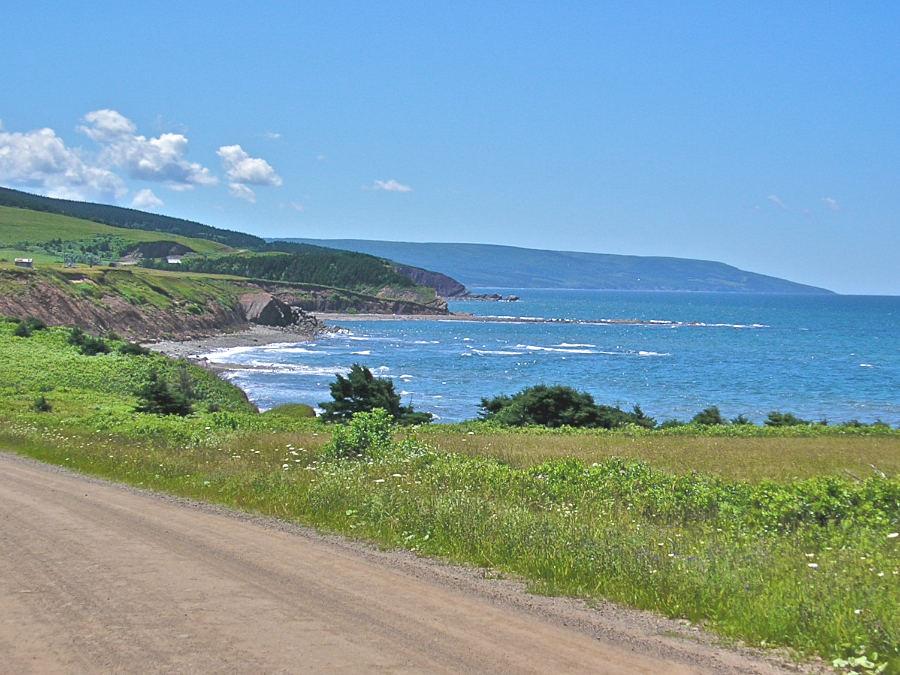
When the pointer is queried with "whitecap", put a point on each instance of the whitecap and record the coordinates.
(363, 353)
(533, 348)
(225, 354)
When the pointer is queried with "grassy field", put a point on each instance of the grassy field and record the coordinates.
(778, 537)
(753, 458)
(22, 225)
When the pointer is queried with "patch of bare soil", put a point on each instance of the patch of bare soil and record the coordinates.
(100, 578)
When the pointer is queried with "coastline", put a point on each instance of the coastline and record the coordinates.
(193, 349)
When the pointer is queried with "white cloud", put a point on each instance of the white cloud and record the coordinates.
(775, 200)
(145, 199)
(298, 206)
(107, 126)
(40, 160)
(831, 203)
(272, 136)
(391, 186)
(242, 191)
(159, 160)
(243, 170)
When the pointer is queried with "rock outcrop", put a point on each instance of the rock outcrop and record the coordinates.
(444, 286)
(267, 310)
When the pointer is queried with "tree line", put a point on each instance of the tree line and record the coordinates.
(337, 269)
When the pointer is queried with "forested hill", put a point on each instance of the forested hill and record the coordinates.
(132, 219)
(324, 267)
(492, 266)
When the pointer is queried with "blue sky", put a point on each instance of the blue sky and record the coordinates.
(763, 135)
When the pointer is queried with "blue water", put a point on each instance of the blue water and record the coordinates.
(820, 357)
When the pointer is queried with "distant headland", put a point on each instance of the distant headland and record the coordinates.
(494, 266)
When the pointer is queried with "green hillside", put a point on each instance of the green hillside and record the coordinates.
(53, 230)
(484, 265)
(24, 232)
(118, 216)
(318, 279)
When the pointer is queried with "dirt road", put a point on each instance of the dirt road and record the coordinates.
(99, 578)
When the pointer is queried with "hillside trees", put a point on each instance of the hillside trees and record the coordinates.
(338, 269)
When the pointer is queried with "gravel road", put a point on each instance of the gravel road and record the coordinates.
(101, 578)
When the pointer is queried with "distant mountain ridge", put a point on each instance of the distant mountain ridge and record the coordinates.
(495, 266)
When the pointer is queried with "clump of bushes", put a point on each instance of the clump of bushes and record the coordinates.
(559, 406)
(292, 411)
(133, 349)
(28, 325)
(779, 419)
(87, 344)
(369, 435)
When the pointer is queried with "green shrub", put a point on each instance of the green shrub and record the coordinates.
(87, 344)
(558, 406)
(368, 435)
(41, 405)
(27, 326)
(709, 417)
(360, 392)
(155, 397)
(779, 419)
(292, 411)
(133, 349)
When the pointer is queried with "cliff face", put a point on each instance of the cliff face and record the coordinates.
(142, 306)
(445, 286)
(97, 308)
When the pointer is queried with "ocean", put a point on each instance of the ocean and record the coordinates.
(828, 357)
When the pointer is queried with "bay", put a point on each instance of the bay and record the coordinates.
(818, 356)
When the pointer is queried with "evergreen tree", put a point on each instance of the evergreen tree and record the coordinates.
(155, 397)
(361, 391)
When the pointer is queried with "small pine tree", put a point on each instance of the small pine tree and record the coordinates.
(155, 397)
(41, 405)
(360, 392)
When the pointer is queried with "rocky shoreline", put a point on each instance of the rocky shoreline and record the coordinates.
(194, 349)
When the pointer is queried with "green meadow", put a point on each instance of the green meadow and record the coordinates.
(784, 537)
(19, 226)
